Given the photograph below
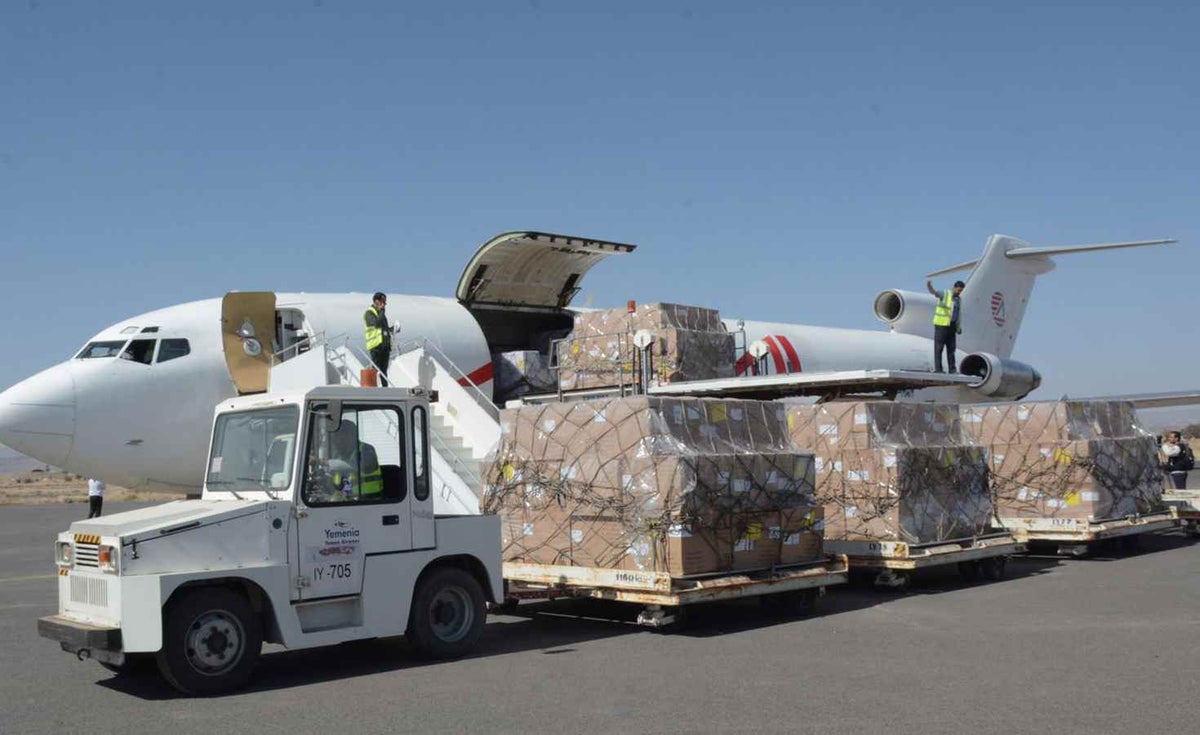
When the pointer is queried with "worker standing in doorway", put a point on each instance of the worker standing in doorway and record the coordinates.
(378, 334)
(947, 324)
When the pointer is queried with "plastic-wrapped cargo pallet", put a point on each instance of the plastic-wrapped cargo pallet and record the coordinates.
(679, 486)
(1088, 460)
(894, 471)
(690, 343)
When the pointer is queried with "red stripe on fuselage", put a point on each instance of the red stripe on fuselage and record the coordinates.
(780, 366)
(478, 376)
(793, 358)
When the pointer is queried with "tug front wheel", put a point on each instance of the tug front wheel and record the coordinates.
(211, 641)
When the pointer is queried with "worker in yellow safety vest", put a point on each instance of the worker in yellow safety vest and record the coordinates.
(354, 470)
(947, 324)
(378, 334)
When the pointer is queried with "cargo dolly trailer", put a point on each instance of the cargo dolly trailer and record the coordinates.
(895, 561)
(1073, 536)
(792, 587)
(1186, 506)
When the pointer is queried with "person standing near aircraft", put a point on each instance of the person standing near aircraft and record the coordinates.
(95, 497)
(947, 324)
(378, 334)
(1178, 459)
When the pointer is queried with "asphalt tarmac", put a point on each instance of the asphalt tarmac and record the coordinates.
(1108, 644)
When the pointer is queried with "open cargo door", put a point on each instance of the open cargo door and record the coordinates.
(247, 326)
(531, 269)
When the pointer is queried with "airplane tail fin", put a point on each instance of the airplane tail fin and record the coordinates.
(999, 285)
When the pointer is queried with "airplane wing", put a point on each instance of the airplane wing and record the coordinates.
(825, 384)
(1149, 400)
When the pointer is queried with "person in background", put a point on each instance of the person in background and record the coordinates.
(378, 334)
(1177, 459)
(947, 324)
(95, 497)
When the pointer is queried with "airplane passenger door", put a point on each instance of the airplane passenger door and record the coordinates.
(355, 499)
(247, 332)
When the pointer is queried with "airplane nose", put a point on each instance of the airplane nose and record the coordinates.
(37, 415)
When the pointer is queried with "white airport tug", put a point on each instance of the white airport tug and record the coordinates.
(315, 526)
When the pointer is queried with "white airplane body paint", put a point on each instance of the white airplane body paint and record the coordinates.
(145, 423)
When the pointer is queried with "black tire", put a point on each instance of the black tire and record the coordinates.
(211, 641)
(969, 570)
(793, 604)
(992, 568)
(447, 616)
(136, 664)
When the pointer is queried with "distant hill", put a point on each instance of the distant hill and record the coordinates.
(12, 462)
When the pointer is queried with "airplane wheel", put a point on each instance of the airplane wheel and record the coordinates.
(211, 641)
(447, 615)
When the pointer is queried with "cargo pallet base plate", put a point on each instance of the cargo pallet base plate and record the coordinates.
(895, 561)
(1185, 504)
(662, 594)
(1072, 535)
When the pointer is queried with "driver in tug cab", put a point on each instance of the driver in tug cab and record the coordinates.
(354, 473)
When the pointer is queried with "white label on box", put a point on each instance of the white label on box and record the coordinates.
(827, 430)
(535, 490)
(1022, 414)
(792, 539)
(744, 544)
(527, 529)
(568, 473)
(972, 418)
(679, 530)
(1090, 496)
(600, 418)
(548, 425)
(1046, 451)
(860, 418)
(626, 482)
(736, 413)
(1056, 503)
(1023, 494)
(858, 475)
(837, 466)
(640, 550)
(851, 511)
(741, 485)
(774, 532)
(708, 430)
(889, 460)
(723, 477)
(997, 458)
(774, 478)
(576, 535)
(820, 464)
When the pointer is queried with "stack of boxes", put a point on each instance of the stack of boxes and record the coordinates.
(521, 372)
(1083, 460)
(670, 485)
(894, 471)
(690, 343)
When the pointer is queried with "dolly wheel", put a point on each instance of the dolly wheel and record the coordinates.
(992, 568)
(968, 570)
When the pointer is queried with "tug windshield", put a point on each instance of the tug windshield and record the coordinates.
(253, 451)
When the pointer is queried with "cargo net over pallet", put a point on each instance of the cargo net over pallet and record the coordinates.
(690, 343)
(1084, 460)
(676, 486)
(888, 471)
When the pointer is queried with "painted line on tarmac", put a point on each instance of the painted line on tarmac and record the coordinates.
(26, 579)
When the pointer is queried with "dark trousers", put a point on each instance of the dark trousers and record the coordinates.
(380, 356)
(944, 337)
(94, 504)
(1178, 479)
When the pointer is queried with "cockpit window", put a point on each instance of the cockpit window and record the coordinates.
(173, 348)
(101, 349)
(139, 350)
(149, 330)
(129, 330)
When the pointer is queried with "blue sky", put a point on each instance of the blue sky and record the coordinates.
(781, 161)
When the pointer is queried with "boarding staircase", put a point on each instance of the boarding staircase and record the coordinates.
(464, 425)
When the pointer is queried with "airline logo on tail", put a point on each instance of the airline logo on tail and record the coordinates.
(998, 308)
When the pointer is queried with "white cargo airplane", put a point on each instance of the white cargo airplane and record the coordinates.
(134, 405)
